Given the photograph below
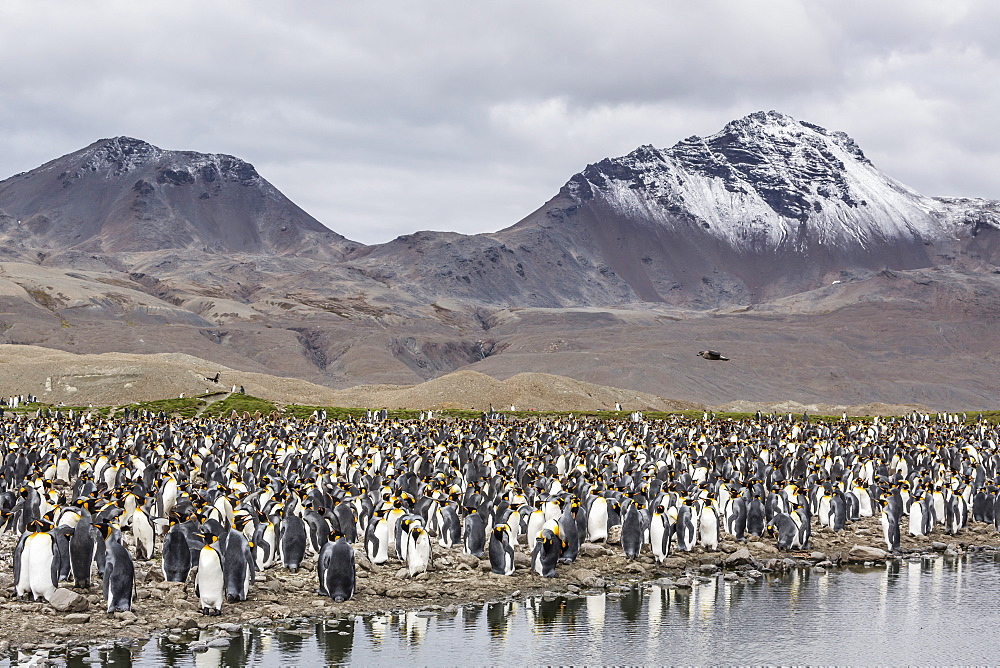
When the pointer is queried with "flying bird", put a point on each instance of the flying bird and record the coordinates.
(213, 379)
(713, 355)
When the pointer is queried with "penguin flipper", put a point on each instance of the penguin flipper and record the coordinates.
(18, 551)
(54, 565)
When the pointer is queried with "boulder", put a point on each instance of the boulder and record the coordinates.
(469, 560)
(740, 557)
(615, 535)
(66, 600)
(593, 550)
(861, 553)
(728, 546)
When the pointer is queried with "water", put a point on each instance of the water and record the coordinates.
(932, 611)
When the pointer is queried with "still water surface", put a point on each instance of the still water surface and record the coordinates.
(932, 611)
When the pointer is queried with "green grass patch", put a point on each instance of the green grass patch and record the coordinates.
(38, 405)
(241, 403)
(187, 407)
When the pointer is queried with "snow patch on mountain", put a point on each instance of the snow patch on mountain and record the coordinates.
(768, 181)
(117, 157)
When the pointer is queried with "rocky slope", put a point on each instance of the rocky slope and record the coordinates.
(125, 195)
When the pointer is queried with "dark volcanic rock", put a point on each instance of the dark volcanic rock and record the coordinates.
(125, 195)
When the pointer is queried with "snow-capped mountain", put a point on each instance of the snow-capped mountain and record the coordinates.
(765, 181)
(766, 207)
(126, 195)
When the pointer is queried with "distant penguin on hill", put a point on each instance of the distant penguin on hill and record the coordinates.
(336, 568)
(713, 355)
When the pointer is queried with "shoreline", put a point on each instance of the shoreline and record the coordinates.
(170, 609)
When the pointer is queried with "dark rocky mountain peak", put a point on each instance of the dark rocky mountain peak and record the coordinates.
(126, 195)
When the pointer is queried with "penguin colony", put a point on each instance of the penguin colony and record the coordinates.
(217, 501)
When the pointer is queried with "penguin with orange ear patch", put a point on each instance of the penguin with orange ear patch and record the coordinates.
(548, 548)
(210, 584)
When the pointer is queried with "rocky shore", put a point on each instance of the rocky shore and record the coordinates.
(75, 620)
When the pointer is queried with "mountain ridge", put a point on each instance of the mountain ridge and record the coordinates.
(615, 280)
(138, 198)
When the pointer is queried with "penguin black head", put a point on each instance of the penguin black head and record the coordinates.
(40, 525)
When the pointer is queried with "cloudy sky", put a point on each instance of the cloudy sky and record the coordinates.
(386, 117)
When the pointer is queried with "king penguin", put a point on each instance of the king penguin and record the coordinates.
(418, 551)
(597, 520)
(890, 529)
(475, 534)
(82, 550)
(377, 539)
(118, 583)
(336, 568)
(36, 562)
(450, 526)
(632, 531)
(545, 555)
(501, 551)
(293, 541)
(660, 533)
(175, 555)
(210, 583)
